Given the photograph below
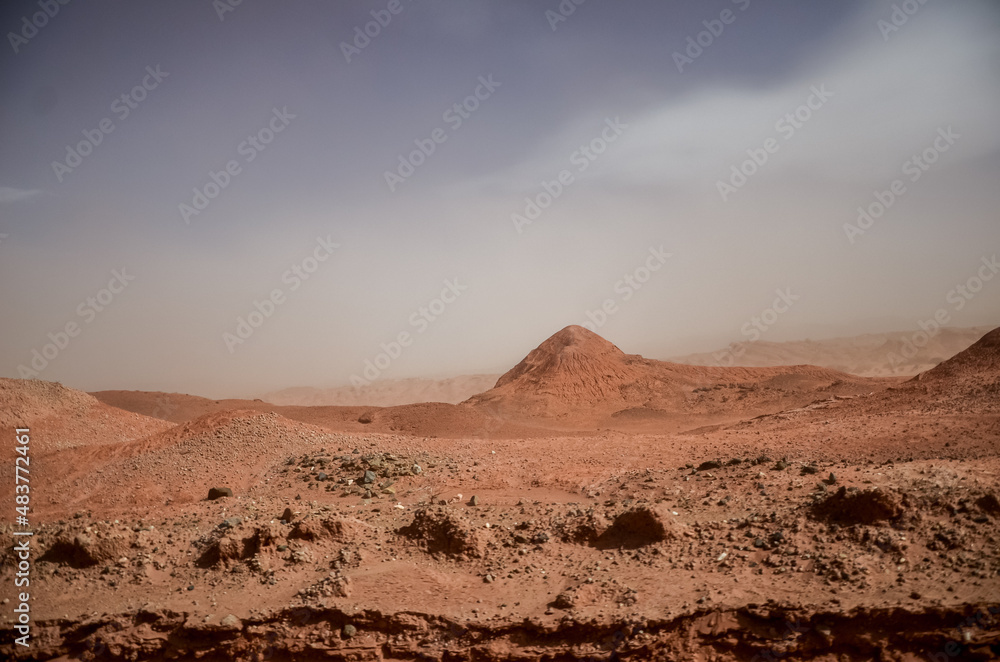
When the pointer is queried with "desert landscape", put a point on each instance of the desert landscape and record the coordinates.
(592, 505)
(499, 331)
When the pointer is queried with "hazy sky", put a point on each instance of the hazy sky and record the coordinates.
(167, 168)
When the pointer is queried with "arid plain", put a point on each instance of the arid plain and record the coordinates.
(591, 505)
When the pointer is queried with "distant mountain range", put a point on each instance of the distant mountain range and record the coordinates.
(869, 355)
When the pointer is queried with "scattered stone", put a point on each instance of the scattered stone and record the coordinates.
(231, 523)
(288, 515)
(781, 465)
(710, 464)
(540, 538)
(321, 477)
(349, 631)
(219, 492)
(831, 479)
(474, 501)
(810, 469)
(489, 579)
(416, 470)
(368, 478)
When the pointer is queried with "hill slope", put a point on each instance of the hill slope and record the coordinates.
(577, 375)
(867, 355)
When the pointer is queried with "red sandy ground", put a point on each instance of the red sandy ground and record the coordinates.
(597, 532)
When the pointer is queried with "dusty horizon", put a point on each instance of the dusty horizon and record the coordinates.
(276, 198)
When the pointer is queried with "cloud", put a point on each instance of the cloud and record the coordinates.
(889, 98)
(8, 194)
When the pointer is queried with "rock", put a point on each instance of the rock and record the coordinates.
(416, 470)
(231, 523)
(564, 600)
(540, 538)
(365, 418)
(282, 548)
(321, 477)
(230, 622)
(780, 465)
(810, 469)
(640, 526)
(711, 464)
(288, 515)
(489, 579)
(219, 492)
(368, 478)
(349, 631)
(831, 479)
(858, 507)
(389, 490)
(474, 501)
(989, 503)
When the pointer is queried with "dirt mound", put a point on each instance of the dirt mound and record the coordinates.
(639, 526)
(328, 528)
(84, 547)
(852, 506)
(232, 542)
(386, 392)
(980, 363)
(179, 465)
(443, 531)
(174, 407)
(61, 417)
